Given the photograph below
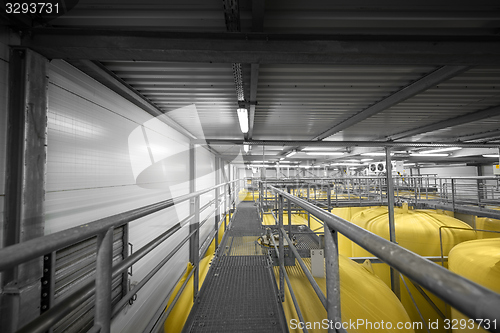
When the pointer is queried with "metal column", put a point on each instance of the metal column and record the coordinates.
(217, 206)
(332, 277)
(104, 260)
(194, 241)
(25, 184)
(390, 207)
(281, 259)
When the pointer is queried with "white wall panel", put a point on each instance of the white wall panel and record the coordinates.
(97, 155)
(205, 177)
(450, 171)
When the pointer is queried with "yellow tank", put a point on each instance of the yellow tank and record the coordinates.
(418, 231)
(486, 223)
(363, 297)
(345, 244)
(476, 260)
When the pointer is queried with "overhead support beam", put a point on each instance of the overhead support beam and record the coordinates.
(254, 81)
(479, 136)
(379, 144)
(262, 48)
(430, 80)
(103, 75)
(467, 118)
(258, 9)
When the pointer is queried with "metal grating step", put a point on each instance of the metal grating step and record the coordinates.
(239, 295)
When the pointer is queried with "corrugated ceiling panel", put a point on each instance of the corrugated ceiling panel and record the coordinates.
(301, 101)
(474, 90)
(172, 86)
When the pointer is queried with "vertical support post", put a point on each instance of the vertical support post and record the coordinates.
(308, 214)
(194, 254)
(332, 278)
(480, 185)
(104, 261)
(25, 170)
(195, 247)
(217, 205)
(453, 193)
(380, 190)
(125, 254)
(281, 250)
(329, 197)
(225, 207)
(392, 227)
(289, 204)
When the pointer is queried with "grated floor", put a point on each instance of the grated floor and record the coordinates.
(239, 293)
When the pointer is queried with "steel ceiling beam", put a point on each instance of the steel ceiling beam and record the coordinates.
(346, 143)
(467, 118)
(262, 48)
(424, 83)
(254, 81)
(258, 9)
(478, 136)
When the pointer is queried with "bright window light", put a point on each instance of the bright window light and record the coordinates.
(243, 118)
(488, 155)
(441, 150)
(428, 155)
(336, 153)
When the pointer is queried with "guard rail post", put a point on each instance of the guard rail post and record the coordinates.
(104, 261)
(332, 278)
(281, 251)
(194, 246)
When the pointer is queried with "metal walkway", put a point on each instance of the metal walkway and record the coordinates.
(239, 293)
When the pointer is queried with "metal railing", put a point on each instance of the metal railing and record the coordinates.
(14, 255)
(470, 195)
(470, 298)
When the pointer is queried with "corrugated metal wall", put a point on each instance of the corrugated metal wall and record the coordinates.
(91, 161)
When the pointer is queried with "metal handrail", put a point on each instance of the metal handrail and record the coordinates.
(22, 252)
(468, 297)
(18, 253)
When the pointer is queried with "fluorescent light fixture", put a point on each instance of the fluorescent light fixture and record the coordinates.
(441, 150)
(375, 154)
(348, 164)
(333, 153)
(427, 155)
(488, 155)
(366, 159)
(243, 118)
(408, 164)
(293, 152)
(246, 148)
(281, 159)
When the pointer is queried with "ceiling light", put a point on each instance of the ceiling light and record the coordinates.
(488, 155)
(281, 159)
(366, 159)
(427, 155)
(336, 153)
(375, 154)
(243, 118)
(293, 152)
(441, 150)
(347, 164)
(246, 148)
